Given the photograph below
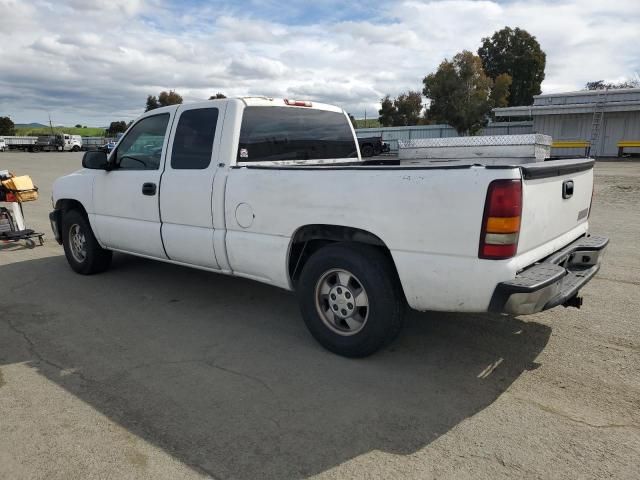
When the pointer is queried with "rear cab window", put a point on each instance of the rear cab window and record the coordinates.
(277, 134)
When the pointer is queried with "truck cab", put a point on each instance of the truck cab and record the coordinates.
(71, 143)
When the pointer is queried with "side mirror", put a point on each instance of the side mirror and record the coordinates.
(95, 160)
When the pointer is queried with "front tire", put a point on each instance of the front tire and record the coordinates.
(84, 254)
(75, 148)
(350, 299)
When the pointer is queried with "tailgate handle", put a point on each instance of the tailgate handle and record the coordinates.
(567, 189)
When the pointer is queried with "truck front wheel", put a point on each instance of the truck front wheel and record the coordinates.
(75, 148)
(350, 299)
(81, 248)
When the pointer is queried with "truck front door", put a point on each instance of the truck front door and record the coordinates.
(186, 202)
(126, 205)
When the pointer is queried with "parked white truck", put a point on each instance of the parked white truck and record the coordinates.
(276, 191)
(59, 142)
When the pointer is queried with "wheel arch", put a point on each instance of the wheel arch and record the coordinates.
(308, 239)
(66, 204)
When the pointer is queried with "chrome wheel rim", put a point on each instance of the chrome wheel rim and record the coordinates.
(77, 243)
(342, 302)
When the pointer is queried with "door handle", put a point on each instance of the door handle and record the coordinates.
(149, 189)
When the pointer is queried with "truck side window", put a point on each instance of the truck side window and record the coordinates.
(291, 133)
(193, 141)
(141, 148)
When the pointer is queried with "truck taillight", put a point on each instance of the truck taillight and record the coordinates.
(297, 103)
(501, 220)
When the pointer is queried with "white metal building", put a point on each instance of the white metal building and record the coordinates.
(602, 117)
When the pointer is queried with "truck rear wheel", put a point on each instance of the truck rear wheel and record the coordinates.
(366, 150)
(350, 299)
(84, 254)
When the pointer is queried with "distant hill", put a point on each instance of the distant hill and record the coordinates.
(31, 125)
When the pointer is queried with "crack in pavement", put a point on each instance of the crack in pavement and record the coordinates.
(560, 413)
(205, 361)
(613, 280)
(40, 358)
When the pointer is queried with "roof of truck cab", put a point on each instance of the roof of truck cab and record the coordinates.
(280, 102)
(252, 102)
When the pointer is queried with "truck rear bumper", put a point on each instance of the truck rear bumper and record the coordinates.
(552, 282)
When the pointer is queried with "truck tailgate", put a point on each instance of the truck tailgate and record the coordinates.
(556, 199)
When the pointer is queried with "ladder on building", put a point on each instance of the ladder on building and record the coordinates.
(596, 122)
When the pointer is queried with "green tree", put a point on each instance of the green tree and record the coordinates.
(408, 107)
(217, 96)
(518, 53)
(500, 90)
(163, 100)
(7, 127)
(387, 112)
(116, 127)
(78, 126)
(460, 93)
(404, 110)
(169, 98)
(352, 119)
(602, 85)
(152, 103)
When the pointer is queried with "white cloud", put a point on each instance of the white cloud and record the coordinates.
(95, 61)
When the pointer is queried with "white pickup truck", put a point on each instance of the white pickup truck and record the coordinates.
(276, 191)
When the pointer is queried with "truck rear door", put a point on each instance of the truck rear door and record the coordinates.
(556, 200)
(186, 203)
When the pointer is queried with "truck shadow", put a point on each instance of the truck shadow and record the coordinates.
(221, 373)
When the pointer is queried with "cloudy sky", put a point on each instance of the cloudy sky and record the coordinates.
(93, 61)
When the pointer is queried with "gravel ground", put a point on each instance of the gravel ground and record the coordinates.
(157, 371)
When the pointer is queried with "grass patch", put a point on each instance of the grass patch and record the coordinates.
(85, 132)
(370, 123)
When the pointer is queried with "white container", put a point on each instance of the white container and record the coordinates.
(485, 150)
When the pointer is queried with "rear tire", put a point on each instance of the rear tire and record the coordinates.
(84, 254)
(366, 151)
(351, 299)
